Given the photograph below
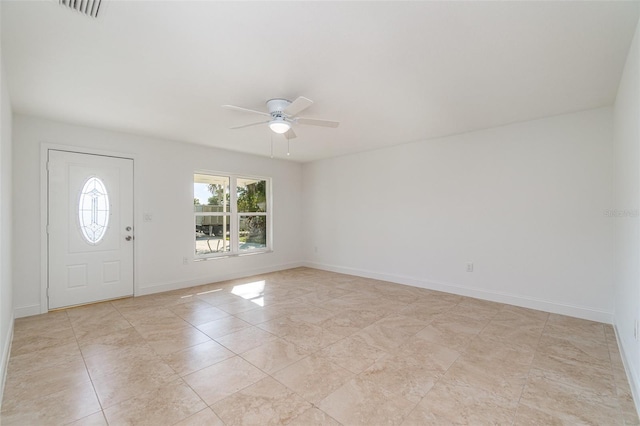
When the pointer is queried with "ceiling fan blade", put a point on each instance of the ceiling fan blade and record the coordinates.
(290, 134)
(237, 108)
(249, 125)
(318, 122)
(298, 106)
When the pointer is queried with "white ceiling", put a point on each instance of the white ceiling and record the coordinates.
(390, 72)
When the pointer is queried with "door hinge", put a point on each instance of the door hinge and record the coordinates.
(48, 162)
(47, 292)
(47, 229)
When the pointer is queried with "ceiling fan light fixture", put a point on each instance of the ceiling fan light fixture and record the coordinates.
(279, 126)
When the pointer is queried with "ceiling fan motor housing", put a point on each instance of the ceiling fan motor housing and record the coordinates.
(277, 106)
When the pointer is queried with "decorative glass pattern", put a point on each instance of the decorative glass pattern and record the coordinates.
(93, 210)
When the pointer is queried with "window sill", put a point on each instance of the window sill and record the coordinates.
(226, 256)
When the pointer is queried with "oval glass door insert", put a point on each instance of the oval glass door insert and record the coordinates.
(93, 210)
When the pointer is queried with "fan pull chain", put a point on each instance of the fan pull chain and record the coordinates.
(288, 146)
(271, 145)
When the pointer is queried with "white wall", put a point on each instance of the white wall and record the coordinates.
(164, 187)
(525, 203)
(627, 198)
(6, 280)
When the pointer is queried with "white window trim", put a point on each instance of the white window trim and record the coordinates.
(234, 217)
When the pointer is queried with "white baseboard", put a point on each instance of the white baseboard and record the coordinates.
(511, 299)
(5, 359)
(632, 376)
(177, 285)
(26, 311)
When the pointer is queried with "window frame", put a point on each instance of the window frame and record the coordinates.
(234, 216)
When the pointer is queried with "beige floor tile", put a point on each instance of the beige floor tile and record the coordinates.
(117, 379)
(312, 339)
(245, 339)
(36, 341)
(530, 416)
(364, 351)
(266, 402)
(455, 333)
(205, 417)
(306, 335)
(94, 323)
(285, 325)
(41, 324)
(569, 404)
(223, 326)
(275, 355)
(349, 321)
(410, 374)
(311, 314)
(91, 311)
(223, 379)
(119, 340)
(193, 305)
(96, 419)
(122, 360)
(203, 316)
(433, 356)
(43, 358)
(258, 316)
(390, 332)
(574, 351)
(115, 388)
(319, 296)
(498, 352)
(516, 315)
(154, 318)
(197, 357)
(585, 376)
(628, 408)
(167, 405)
(450, 404)
(352, 353)
(314, 417)
(427, 310)
(172, 340)
(239, 305)
(61, 407)
(477, 309)
(574, 328)
(360, 402)
(504, 379)
(33, 384)
(525, 335)
(313, 377)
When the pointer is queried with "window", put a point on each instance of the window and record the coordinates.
(232, 214)
(93, 210)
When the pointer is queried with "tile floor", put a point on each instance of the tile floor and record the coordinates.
(308, 347)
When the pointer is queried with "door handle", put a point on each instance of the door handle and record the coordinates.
(128, 238)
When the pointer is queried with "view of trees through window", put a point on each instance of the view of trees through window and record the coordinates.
(226, 223)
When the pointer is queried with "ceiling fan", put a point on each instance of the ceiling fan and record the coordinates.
(283, 114)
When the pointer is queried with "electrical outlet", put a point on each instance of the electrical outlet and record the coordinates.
(469, 266)
(636, 329)
(185, 260)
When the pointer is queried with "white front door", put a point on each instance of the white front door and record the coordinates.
(90, 231)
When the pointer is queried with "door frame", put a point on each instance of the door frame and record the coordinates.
(45, 147)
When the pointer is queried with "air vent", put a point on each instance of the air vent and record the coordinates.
(86, 7)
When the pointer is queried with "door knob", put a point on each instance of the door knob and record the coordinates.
(128, 238)
(128, 228)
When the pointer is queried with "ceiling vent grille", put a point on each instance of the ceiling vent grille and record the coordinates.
(86, 7)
